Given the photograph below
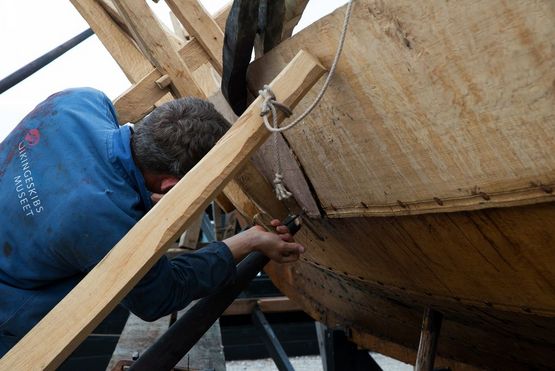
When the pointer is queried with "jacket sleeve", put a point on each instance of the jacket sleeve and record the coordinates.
(172, 284)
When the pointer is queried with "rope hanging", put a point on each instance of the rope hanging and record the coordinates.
(270, 106)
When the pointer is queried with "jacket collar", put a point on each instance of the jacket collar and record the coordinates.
(122, 155)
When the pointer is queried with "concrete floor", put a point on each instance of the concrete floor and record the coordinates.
(310, 363)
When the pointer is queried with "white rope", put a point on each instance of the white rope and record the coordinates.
(269, 97)
(270, 105)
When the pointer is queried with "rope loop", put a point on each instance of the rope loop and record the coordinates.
(271, 105)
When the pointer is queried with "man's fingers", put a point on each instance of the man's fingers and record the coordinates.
(290, 258)
(292, 248)
(286, 237)
(282, 229)
(275, 222)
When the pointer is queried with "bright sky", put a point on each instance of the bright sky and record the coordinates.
(30, 28)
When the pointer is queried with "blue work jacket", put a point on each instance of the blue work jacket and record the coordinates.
(69, 191)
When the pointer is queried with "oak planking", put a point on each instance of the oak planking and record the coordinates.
(158, 47)
(488, 271)
(83, 308)
(434, 108)
(391, 324)
(201, 26)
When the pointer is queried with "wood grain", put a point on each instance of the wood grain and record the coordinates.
(122, 48)
(429, 337)
(201, 26)
(434, 108)
(83, 308)
(141, 98)
(157, 46)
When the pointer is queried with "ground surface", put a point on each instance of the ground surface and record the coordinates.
(310, 363)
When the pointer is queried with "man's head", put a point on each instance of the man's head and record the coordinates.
(173, 138)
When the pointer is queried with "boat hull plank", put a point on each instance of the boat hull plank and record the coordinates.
(435, 107)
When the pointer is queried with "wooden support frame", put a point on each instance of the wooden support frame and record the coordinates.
(201, 26)
(140, 98)
(431, 326)
(59, 333)
(120, 45)
(158, 47)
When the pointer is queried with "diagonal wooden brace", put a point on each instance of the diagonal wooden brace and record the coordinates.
(69, 323)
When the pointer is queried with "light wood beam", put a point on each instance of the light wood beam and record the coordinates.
(158, 47)
(142, 97)
(278, 304)
(122, 48)
(59, 333)
(202, 27)
(111, 8)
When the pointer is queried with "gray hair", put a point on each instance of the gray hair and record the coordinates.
(176, 135)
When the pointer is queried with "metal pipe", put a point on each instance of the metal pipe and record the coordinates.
(29, 69)
(271, 341)
(168, 350)
(189, 328)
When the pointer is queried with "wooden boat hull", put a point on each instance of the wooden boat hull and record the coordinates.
(427, 176)
(376, 276)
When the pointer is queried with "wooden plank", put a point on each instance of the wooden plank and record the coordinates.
(441, 121)
(429, 336)
(137, 335)
(158, 47)
(189, 238)
(207, 354)
(83, 308)
(111, 8)
(141, 98)
(122, 48)
(202, 27)
(267, 305)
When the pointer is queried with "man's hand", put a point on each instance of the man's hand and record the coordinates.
(279, 246)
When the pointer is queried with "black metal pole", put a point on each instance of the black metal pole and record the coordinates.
(168, 350)
(29, 69)
(187, 330)
(271, 341)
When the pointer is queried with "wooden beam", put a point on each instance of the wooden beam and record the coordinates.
(158, 47)
(111, 8)
(142, 97)
(59, 333)
(431, 325)
(122, 48)
(267, 305)
(202, 27)
(189, 238)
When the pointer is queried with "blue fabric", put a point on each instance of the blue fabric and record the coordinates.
(69, 191)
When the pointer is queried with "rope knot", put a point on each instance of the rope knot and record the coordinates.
(281, 192)
(270, 105)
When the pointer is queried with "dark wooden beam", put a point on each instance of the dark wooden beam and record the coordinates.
(431, 325)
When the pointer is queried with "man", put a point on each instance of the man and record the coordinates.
(72, 183)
